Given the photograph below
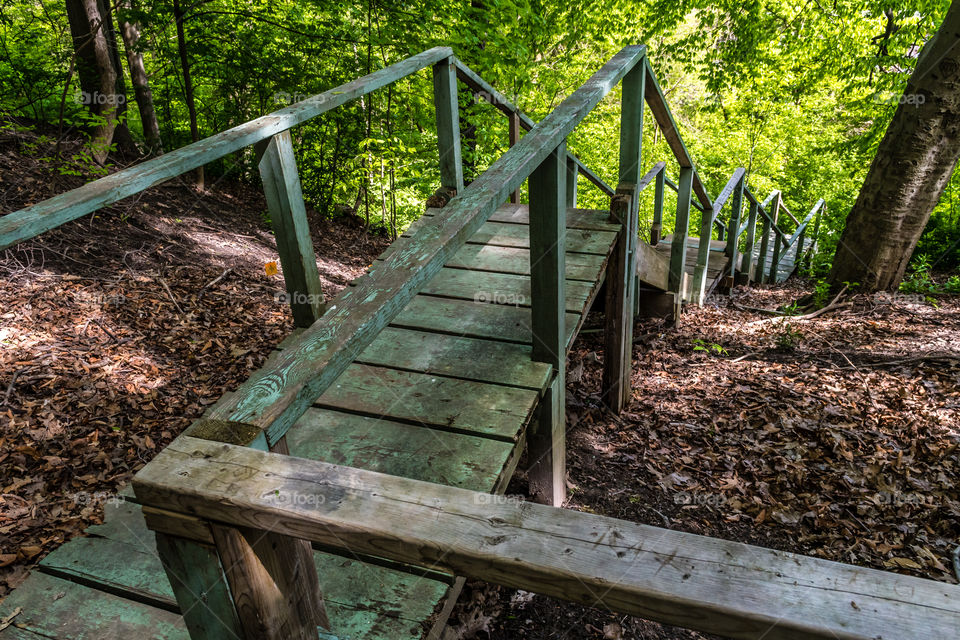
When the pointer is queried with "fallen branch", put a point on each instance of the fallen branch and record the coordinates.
(170, 293)
(204, 288)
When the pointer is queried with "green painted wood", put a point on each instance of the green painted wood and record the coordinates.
(56, 608)
(678, 253)
(448, 123)
(281, 186)
(26, 223)
(668, 126)
(657, 229)
(583, 219)
(501, 287)
(571, 182)
(363, 600)
(619, 308)
(410, 451)
(505, 234)
(747, 264)
(734, 240)
(195, 575)
(482, 88)
(549, 201)
(580, 266)
(466, 358)
(547, 259)
(476, 319)
(274, 398)
(699, 281)
(464, 406)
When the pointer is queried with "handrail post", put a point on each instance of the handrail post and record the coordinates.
(777, 243)
(514, 139)
(699, 285)
(621, 277)
(573, 171)
(733, 238)
(448, 124)
(814, 236)
(281, 187)
(548, 229)
(656, 229)
(746, 264)
(678, 249)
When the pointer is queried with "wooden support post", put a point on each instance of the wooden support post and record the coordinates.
(548, 229)
(678, 250)
(281, 186)
(514, 139)
(760, 273)
(657, 229)
(746, 265)
(619, 310)
(699, 282)
(815, 235)
(200, 586)
(734, 238)
(273, 581)
(448, 124)
(573, 172)
(771, 276)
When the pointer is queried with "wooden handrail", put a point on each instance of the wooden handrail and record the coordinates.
(483, 88)
(28, 222)
(726, 588)
(267, 405)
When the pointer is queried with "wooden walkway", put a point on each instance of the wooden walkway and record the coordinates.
(443, 395)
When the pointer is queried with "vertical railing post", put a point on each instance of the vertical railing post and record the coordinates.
(814, 236)
(777, 242)
(281, 186)
(746, 264)
(656, 230)
(733, 238)
(573, 172)
(448, 125)
(621, 277)
(514, 139)
(548, 229)
(698, 285)
(681, 231)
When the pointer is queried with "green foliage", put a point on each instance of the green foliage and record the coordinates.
(821, 293)
(788, 337)
(920, 280)
(795, 94)
(708, 347)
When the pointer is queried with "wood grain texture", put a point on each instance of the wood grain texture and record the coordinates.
(26, 223)
(728, 588)
(448, 124)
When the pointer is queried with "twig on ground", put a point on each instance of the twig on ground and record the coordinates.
(223, 275)
(170, 293)
(13, 381)
(105, 330)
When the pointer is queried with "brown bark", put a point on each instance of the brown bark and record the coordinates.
(130, 32)
(914, 162)
(188, 95)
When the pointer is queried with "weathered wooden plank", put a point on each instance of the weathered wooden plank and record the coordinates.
(448, 123)
(548, 241)
(500, 288)
(619, 310)
(747, 262)
(678, 253)
(728, 588)
(410, 451)
(26, 223)
(506, 234)
(653, 267)
(275, 397)
(281, 186)
(52, 607)
(571, 183)
(463, 406)
(582, 219)
(700, 272)
(498, 259)
(476, 319)
(514, 138)
(466, 358)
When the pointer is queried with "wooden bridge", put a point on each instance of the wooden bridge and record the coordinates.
(350, 485)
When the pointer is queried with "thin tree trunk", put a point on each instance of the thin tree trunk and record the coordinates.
(130, 32)
(99, 72)
(187, 84)
(913, 164)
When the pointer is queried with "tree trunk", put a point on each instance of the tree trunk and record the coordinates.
(130, 31)
(187, 84)
(99, 72)
(913, 164)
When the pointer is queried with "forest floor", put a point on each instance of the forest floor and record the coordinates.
(835, 436)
